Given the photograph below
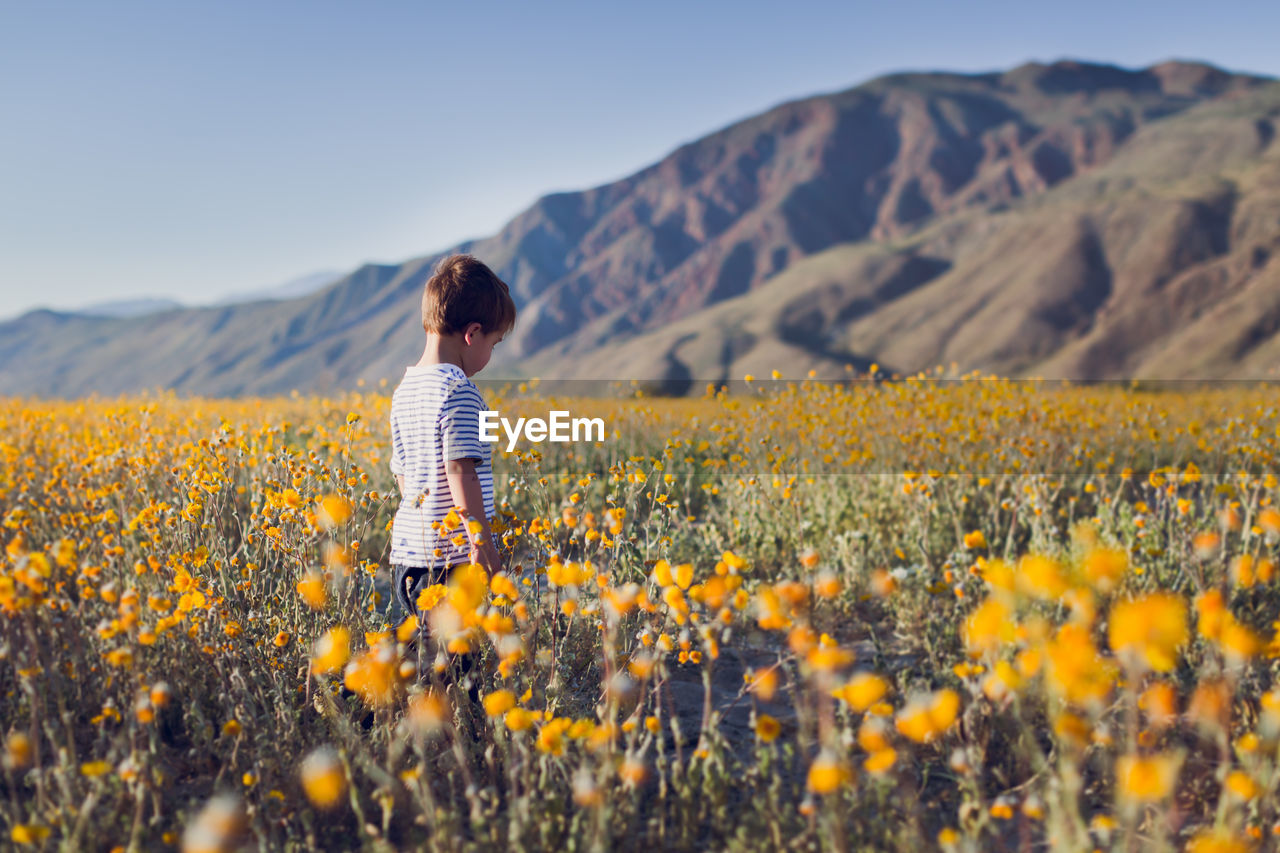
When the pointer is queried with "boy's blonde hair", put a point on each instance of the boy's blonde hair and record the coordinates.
(463, 290)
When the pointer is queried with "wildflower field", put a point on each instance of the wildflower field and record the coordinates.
(963, 615)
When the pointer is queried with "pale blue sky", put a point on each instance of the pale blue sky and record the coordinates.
(194, 149)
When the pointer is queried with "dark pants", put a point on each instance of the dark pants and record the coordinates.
(407, 583)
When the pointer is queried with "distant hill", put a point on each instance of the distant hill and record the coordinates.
(1070, 220)
(130, 307)
(303, 285)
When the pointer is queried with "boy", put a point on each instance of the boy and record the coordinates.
(437, 456)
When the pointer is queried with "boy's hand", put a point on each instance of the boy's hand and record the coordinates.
(464, 488)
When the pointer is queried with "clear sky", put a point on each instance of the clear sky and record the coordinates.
(195, 149)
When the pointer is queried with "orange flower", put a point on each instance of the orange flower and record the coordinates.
(828, 773)
(767, 728)
(1149, 630)
(1105, 567)
(331, 651)
(333, 512)
(499, 702)
(323, 777)
(862, 691)
(880, 761)
(518, 719)
(987, 627)
(428, 711)
(312, 590)
(1075, 670)
(1160, 701)
(1146, 780)
(925, 718)
(763, 683)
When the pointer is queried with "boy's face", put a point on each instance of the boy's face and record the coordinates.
(478, 348)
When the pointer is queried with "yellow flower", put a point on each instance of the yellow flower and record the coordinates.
(331, 650)
(374, 675)
(823, 658)
(501, 585)
(1002, 680)
(17, 751)
(684, 575)
(1105, 567)
(1146, 779)
(1218, 841)
(1242, 572)
(763, 684)
(95, 768)
(1238, 642)
(312, 590)
(1074, 669)
(518, 719)
(633, 772)
(160, 694)
(551, 736)
(1210, 704)
(1241, 785)
(28, 833)
(1149, 630)
(333, 512)
(767, 728)
(924, 718)
(828, 773)
(468, 586)
(1160, 701)
(827, 585)
(1040, 577)
(862, 691)
(499, 702)
(431, 596)
(1205, 544)
(987, 627)
(1211, 614)
(975, 541)
(428, 711)
(880, 761)
(1269, 521)
(323, 778)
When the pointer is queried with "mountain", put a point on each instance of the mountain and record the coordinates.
(139, 307)
(303, 285)
(1070, 219)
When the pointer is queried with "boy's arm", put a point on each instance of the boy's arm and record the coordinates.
(464, 487)
(397, 453)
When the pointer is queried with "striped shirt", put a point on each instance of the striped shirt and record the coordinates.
(435, 418)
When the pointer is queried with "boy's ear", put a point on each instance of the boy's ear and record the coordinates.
(472, 332)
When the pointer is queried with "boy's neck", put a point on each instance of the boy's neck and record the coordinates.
(441, 350)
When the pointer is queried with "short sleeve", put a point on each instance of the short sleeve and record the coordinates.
(397, 448)
(460, 424)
